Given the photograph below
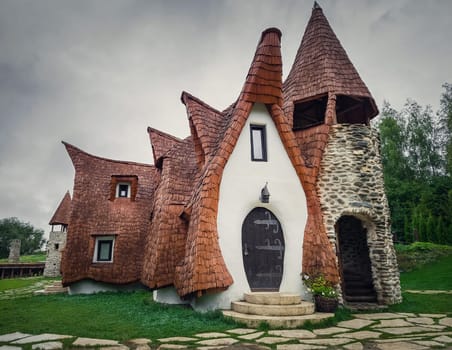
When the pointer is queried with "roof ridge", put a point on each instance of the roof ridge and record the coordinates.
(187, 96)
(62, 213)
(161, 143)
(79, 150)
(164, 134)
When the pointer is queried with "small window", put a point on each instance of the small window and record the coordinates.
(104, 249)
(57, 246)
(123, 190)
(123, 186)
(258, 143)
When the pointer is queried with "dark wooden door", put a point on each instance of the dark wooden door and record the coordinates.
(356, 270)
(263, 250)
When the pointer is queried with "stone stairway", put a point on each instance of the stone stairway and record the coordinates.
(277, 309)
(54, 288)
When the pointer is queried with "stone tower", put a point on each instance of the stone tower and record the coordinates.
(330, 109)
(14, 251)
(57, 237)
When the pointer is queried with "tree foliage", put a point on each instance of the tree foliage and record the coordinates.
(30, 237)
(416, 148)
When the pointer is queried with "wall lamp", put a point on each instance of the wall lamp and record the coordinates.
(265, 195)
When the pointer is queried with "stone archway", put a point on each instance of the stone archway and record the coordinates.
(354, 260)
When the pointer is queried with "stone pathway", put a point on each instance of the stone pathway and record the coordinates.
(372, 331)
(428, 291)
(26, 291)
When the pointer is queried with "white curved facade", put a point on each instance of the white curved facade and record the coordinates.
(240, 189)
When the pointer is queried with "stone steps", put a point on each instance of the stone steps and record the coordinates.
(254, 321)
(277, 309)
(303, 308)
(55, 288)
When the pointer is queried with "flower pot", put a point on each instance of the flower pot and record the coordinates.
(324, 304)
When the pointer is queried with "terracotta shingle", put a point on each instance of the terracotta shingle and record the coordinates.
(166, 238)
(322, 66)
(93, 213)
(63, 213)
(161, 143)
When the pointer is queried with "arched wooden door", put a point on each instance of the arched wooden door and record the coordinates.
(263, 250)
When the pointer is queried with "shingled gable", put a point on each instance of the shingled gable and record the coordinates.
(161, 143)
(206, 123)
(165, 242)
(62, 214)
(323, 68)
(94, 214)
(203, 267)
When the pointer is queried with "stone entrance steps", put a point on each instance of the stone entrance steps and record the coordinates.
(277, 309)
(55, 288)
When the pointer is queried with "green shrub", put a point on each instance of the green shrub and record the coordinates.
(418, 254)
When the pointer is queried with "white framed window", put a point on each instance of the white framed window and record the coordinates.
(103, 251)
(123, 190)
(258, 143)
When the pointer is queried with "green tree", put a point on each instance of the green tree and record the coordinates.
(421, 147)
(30, 237)
(441, 231)
(416, 149)
(445, 123)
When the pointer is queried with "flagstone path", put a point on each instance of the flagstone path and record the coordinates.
(372, 331)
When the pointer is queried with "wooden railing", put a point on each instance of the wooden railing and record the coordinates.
(21, 270)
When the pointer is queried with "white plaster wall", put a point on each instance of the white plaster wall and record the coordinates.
(168, 295)
(240, 189)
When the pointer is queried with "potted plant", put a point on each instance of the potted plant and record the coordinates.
(324, 292)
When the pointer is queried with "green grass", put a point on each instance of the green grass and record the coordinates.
(117, 316)
(28, 258)
(437, 276)
(424, 303)
(123, 316)
(15, 283)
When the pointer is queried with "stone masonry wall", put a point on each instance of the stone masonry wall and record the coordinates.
(351, 183)
(55, 245)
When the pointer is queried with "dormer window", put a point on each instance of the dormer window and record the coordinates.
(258, 143)
(123, 186)
(123, 190)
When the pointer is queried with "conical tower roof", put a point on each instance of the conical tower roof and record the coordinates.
(63, 212)
(322, 66)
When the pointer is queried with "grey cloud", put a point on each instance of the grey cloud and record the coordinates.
(97, 73)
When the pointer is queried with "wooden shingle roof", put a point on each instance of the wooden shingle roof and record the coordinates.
(63, 213)
(95, 213)
(161, 143)
(322, 66)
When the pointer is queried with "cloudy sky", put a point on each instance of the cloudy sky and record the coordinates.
(97, 73)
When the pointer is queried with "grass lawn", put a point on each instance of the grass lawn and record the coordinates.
(424, 303)
(118, 316)
(437, 276)
(28, 258)
(434, 275)
(123, 316)
(15, 283)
